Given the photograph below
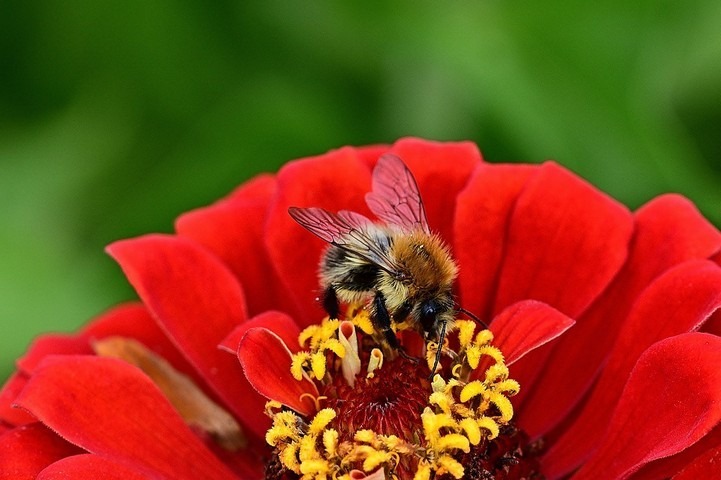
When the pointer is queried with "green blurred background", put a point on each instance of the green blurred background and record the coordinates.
(115, 117)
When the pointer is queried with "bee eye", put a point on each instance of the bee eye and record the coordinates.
(429, 311)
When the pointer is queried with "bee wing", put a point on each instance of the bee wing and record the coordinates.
(348, 230)
(395, 197)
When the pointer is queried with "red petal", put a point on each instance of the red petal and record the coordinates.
(49, 345)
(197, 301)
(371, 153)
(90, 467)
(260, 186)
(669, 230)
(277, 322)
(441, 170)
(480, 226)
(565, 243)
(525, 326)
(8, 414)
(38, 350)
(336, 181)
(669, 466)
(234, 231)
(26, 450)
(678, 301)
(132, 320)
(672, 398)
(266, 361)
(110, 408)
(707, 465)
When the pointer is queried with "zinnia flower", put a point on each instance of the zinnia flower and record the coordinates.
(601, 359)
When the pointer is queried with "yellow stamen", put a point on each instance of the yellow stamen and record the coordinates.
(471, 390)
(453, 441)
(330, 442)
(317, 365)
(321, 420)
(300, 359)
(489, 424)
(363, 321)
(472, 430)
(465, 332)
(450, 465)
(423, 472)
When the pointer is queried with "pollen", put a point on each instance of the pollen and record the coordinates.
(320, 339)
(381, 414)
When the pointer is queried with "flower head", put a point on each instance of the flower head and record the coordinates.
(600, 360)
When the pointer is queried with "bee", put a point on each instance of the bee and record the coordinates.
(399, 269)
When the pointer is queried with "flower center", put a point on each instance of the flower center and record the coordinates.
(389, 402)
(379, 414)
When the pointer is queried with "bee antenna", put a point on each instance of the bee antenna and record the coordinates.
(472, 316)
(439, 352)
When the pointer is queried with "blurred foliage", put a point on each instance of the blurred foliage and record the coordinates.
(115, 117)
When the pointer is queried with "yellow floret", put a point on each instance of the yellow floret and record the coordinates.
(330, 442)
(300, 359)
(471, 390)
(317, 365)
(363, 321)
(321, 420)
(489, 424)
(504, 406)
(465, 332)
(450, 465)
(472, 430)
(453, 441)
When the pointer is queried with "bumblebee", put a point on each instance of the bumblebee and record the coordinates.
(398, 268)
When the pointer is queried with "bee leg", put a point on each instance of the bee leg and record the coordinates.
(330, 302)
(382, 320)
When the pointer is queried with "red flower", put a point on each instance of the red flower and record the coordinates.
(633, 388)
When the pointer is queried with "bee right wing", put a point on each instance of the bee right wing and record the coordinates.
(395, 198)
(348, 230)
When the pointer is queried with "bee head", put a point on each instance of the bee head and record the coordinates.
(434, 314)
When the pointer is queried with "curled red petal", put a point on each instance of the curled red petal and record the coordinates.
(277, 322)
(442, 170)
(197, 302)
(110, 408)
(28, 449)
(266, 362)
(483, 210)
(527, 325)
(335, 181)
(672, 398)
(678, 301)
(90, 467)
(668, 230)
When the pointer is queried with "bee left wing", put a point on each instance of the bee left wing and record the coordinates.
(348, 230)
(395, 198)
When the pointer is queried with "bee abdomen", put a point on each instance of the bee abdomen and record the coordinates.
(342, 269)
